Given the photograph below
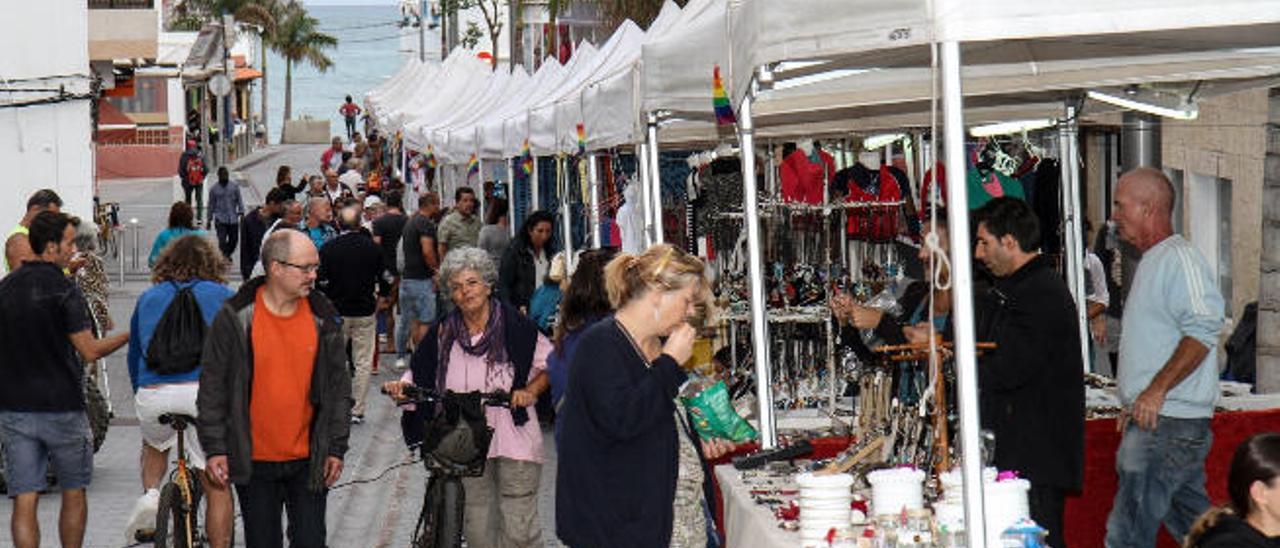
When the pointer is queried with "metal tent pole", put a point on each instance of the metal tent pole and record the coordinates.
(642, 164)
(480, 186)
(655, 179)
(1068, 135)
(594, 215)
(512, 166)
(962, 296)
(534, 204)
(755, 274)
(566, 219)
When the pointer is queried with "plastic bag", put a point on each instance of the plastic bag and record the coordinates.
(714, 417)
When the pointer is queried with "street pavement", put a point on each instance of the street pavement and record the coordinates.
(378, 497)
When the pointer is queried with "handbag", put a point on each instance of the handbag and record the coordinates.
(458, 435)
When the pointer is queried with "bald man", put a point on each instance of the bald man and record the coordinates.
(274, 396)
(351, 267)
(1168, 369)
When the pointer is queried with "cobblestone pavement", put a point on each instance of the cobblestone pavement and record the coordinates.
(376, 504)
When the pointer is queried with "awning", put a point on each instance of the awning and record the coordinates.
(244, 74)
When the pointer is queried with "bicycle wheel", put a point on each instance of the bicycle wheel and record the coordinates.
(448, 513)
(175, 518)
(97, 410)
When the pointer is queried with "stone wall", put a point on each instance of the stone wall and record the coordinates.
(1269, 301)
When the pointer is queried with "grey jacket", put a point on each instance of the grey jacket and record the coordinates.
(227, 378)
(225, 203)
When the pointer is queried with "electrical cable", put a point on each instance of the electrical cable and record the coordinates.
(364, 26)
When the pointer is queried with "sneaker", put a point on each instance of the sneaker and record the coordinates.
(143, 518)
(357, 419)
(400, 364)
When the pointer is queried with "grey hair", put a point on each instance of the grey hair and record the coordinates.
(468, 258)
(86, 236)
(311, 204)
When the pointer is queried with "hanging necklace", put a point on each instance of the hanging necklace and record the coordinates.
(634, 345)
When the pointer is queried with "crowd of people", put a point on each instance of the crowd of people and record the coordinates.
(336, 272)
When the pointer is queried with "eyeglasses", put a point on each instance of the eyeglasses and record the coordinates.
(303, 268)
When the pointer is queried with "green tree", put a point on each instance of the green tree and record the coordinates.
(298, 40)
(493, 17)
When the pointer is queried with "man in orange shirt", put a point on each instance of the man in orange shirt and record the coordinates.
(275, 396)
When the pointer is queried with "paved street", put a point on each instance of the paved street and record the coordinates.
(377, 502)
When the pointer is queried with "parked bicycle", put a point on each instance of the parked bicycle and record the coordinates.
(107, 217)
(181, 498)
(455, 446)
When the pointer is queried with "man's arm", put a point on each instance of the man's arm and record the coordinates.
(92, 349)
(1095, 309)
(429, 252)
(17, 250)
(1189, 354)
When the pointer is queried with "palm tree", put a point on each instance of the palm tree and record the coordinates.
(298, 40)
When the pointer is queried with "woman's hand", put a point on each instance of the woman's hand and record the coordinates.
(680, 343)
(918, 333)
(842, 307)
(865, 318)
(715, 448)
(523, 398)
(394, 389)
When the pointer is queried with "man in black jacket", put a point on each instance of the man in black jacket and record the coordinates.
(1031, 386)
(253, 227)
(350, 267)
(274, 400)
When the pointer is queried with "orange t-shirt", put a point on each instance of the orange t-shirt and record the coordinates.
(284, 352)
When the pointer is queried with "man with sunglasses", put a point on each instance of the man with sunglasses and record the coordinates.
(275, 396)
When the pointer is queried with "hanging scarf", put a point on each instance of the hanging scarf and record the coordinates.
(492, 344)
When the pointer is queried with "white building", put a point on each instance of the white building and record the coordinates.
(46, 129)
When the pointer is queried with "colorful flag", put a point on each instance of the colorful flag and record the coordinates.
(582, 139)
(720, 101)
(431, 157)
(526, 158)
(473, 166)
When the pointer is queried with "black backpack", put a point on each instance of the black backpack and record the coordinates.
(178, 340)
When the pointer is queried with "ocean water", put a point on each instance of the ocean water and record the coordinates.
(370, 49)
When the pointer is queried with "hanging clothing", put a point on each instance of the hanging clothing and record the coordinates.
(1048, 177)
(994, 185)
(803, 176)
(938, 173)
(867, 186)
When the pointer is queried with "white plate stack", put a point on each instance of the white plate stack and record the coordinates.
(826, 502)
(1005, 503)
(896, 489)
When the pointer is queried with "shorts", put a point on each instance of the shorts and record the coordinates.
(418, 300)
(153, 401)
(34, 439)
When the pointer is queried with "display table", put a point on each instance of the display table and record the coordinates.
(1086, 512)
(747, 524)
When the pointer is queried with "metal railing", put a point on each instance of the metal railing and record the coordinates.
(122, 4)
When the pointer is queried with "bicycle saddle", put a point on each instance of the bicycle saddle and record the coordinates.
(178, 421)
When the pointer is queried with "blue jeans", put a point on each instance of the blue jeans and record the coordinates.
(1161, 481)
(417, 302)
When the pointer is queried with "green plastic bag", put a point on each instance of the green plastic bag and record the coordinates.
(713, 415)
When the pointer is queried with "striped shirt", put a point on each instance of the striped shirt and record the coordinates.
(1173, 295)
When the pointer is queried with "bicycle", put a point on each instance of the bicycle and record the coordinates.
(177, 518)
(440, 519)
(107, 216)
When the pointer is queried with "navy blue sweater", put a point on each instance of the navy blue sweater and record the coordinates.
(615, 485)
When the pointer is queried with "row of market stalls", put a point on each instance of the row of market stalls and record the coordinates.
(835, 69)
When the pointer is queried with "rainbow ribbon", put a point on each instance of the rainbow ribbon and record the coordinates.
(720, 101)
(473, 166)
(526, 158)
(582, 139)
(431, 157)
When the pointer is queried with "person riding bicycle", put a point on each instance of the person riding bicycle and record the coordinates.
(189, 263)
(485, 345)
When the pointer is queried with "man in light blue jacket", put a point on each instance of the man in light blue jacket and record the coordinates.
(1168, 369)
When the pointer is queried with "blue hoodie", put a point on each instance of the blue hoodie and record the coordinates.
(146, 315)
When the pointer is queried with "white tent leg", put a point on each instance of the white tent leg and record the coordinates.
(642, 163)
(566, 217)
(655, 179)
(594, 215)
(755, 274)
(534, 204)
(962, 296)
(1073, 246)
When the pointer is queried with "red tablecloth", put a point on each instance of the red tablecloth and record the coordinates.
(1086, 513)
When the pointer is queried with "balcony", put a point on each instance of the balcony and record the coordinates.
(122, 4)
(123, 29)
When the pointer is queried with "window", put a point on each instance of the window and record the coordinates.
(150, 95)
(1209, 218)
(1224, 242)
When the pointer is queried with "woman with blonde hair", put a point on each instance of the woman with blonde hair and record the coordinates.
(630, 468)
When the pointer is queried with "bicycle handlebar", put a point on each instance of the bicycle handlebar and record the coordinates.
(416, 394)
